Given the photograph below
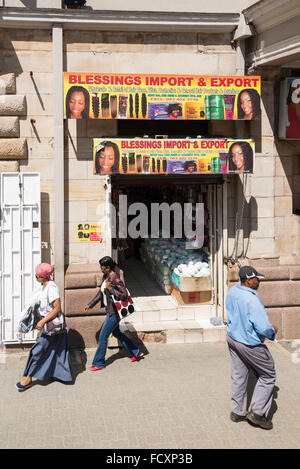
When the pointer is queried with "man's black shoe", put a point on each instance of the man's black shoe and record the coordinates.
(237, 418)
(260, 421)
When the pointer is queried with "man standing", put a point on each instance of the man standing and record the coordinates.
(247, 327)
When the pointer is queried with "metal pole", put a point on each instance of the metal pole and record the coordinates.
(59, 242)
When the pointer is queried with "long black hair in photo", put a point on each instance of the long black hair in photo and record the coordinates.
(101, 147)
(255, 100)
(248, 157)
(86, 111)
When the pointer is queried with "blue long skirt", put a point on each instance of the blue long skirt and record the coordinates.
(49, 358)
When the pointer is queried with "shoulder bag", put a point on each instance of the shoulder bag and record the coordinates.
(123, 307)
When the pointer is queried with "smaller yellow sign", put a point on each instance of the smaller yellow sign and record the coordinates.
(89, 232)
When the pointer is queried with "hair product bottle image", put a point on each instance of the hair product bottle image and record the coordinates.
(191, 110)
(95, 105)
(215, 164)
(223, 162)
(216, 107)
(207, 107)
(229, 106)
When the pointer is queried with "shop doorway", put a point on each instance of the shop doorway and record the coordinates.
(151, 264)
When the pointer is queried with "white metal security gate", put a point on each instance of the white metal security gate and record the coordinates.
(20, 248)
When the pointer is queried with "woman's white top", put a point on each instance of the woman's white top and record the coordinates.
(49, 294)
(103, 286)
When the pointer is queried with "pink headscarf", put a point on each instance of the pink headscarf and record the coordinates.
(44, 270)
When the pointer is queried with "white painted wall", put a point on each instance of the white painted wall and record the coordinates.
(199, 6)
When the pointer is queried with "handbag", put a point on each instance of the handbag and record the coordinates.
(57, 325)
(123, 307)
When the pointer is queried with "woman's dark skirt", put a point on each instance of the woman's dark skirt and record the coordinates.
(49, 358)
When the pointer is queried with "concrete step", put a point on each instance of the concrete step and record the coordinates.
(165, 308)
(179, 331)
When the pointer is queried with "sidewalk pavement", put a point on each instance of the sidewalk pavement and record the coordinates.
(176, 397)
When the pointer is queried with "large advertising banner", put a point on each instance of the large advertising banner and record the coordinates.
(161, 97)
(173, 156)
(289, 109)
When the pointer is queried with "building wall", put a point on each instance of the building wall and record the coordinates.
(125, 53)
(29, 55)
(214, 6)
(269, 229)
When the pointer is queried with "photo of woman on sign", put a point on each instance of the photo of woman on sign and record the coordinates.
(107, 158)
(240, 158)
(190, 167)
(77, 103)
(248, 105)
(174, 111)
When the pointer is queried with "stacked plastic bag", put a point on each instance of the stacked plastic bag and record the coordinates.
(193, 269)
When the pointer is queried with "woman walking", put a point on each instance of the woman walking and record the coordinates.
(111, 284)
(49, 357)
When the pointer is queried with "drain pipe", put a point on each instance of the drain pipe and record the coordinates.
(58, 174)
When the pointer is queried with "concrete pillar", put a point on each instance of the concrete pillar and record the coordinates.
(59, 261)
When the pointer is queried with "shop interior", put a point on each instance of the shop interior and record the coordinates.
(160, 266)
(151, 265)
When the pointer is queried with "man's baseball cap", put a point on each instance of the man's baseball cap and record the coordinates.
(249, 272)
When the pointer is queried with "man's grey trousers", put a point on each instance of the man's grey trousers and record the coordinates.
(257, 358)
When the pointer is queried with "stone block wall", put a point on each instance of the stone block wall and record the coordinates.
(12, 106)
(82, 282)
(27, 56)
(124, 53)
(280, 294)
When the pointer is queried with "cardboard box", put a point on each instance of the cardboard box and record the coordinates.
(191, 298)
(191, 284)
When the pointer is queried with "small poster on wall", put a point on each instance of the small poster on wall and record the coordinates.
(289, 109)
(89, 232)
(173, 156)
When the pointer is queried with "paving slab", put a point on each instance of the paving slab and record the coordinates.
(177, 396)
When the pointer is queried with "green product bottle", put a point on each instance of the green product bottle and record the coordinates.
(216, 165)
(216, 107)
(207, 107)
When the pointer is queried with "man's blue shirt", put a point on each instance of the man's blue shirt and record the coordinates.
(248, 321)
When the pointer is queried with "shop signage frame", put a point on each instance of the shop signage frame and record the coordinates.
(161, 97)
(145, 156)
